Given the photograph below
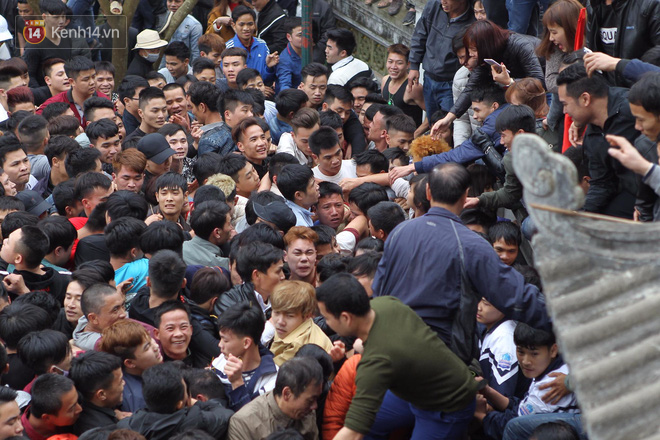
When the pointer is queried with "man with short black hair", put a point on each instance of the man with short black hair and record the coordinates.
(260, 267)
(378, 129)
(339, 53)
(204, 70)
(314, 83)
(211, 222)
(153, 114)
(166, 280)
(15, 162)
(82, 76)
(10, 77)
(10, 414)
(53, 408)
(55, 78)
(298, 186)
(250, 138)
(291, 403)
(99, 379)
(56, 152)
(340, 101)
(327, 152)
(122, 238)
(25, 248)
(177, 105)
(287, 102)
(61, 236)
(174, 331)
(177, 58)
(236, 105)
(259, 56)
(603, 110)
(400, 131)
(92, 188)
(104, 136)
(45, 351)
(438, 403)
(453, 245)
(360, 87)
(96, 108)
(216, 135)
(383, 218)
(243, 323)
(33, 134)
(234, 59)
(296, 143)
(129, 95)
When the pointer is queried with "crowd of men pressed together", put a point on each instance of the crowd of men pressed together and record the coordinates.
(225, 243)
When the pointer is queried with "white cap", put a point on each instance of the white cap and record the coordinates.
(4, 30)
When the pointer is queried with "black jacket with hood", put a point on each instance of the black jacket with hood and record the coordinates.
(51, 281)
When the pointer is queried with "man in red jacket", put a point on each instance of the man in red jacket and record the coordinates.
(82, 77)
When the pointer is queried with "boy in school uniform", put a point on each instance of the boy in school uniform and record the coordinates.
(538, 357)
(498, 352)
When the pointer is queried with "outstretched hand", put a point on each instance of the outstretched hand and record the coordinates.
(624, 152)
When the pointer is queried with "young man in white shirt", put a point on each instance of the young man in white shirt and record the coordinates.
(326, 151)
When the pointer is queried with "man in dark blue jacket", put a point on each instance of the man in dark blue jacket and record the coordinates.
(441, 269)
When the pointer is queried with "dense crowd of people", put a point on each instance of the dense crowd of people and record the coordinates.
(225, 243)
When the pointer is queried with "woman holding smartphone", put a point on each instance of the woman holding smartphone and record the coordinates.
(511, 55)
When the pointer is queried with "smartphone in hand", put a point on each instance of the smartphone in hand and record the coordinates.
(493, 63)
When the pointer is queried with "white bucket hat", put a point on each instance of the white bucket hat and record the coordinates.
(149, 39)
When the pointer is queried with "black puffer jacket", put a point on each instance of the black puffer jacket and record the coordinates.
(638, 26)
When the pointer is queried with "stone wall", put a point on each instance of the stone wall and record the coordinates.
(374, 29)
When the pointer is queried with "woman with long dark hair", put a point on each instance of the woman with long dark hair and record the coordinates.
(560, 23)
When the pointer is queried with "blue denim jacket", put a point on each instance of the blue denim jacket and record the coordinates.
(188, 32)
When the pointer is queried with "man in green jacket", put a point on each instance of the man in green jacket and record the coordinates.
(406, 371)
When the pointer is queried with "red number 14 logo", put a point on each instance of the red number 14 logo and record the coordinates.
(34, 31)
